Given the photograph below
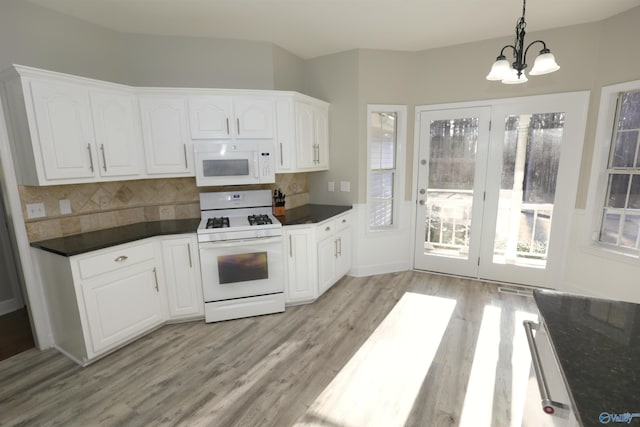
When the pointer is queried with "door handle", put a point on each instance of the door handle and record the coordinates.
(90, 157)
(186, 162)
(340, 246)
(290, 247)
(238, 126)
(227, 125)
(281, 163)
(155, 275)
(104, 158)
(421, 201)
(189, 252)
(422, 191)
(335, 248)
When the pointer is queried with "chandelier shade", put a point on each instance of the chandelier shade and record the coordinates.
(513, 72)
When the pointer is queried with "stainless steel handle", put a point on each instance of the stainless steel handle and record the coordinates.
(281, 163)
(104, 158)
(290, 247)
(121, 258)
(549, 406)
(318, 156)
(228, 126)
(90, 157)
(155, 275)
(189, 252)
(335, 248)
(186, 162)
(238, 126)
(340, 246)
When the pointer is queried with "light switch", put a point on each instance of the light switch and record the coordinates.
(345, 186)
(65, 206)
(331, 186)
(36, 210)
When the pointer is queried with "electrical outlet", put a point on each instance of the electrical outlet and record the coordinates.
(65, 206)
(345, 186)
(331, 186)
(35, 210)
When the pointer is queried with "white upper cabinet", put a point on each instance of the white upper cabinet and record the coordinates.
(68, 130)
(116, 119)
(64, 129)
(167, 144)
(224, 117)
(302, 137)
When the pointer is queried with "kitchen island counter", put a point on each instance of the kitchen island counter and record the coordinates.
(311, 214)
(597, 344)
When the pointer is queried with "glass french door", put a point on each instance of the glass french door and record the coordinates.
(451, 173)
(497, 204)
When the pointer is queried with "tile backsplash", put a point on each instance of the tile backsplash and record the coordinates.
(97, 206)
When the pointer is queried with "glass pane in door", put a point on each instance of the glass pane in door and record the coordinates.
(449, 201)
(531, 156)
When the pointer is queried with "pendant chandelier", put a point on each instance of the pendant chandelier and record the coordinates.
(513, 73)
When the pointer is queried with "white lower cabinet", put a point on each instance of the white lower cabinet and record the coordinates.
(182, 276)
(302, 280)
(101, 300)
(122, 305)
(318, 256)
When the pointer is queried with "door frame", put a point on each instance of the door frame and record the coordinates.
(580, 99)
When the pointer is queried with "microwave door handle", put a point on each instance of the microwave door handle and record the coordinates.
(256, 165)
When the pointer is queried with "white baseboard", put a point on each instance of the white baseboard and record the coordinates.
(9, 306)
(370, 270)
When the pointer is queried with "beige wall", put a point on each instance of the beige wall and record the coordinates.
(288, 70)
(334, 78)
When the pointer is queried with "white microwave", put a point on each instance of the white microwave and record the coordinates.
(234, 162)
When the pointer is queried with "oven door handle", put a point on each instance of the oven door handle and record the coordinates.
(549, 406)
(240, 242)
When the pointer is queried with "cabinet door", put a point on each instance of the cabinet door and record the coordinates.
(305, 136)
(165, 135)
(254, 117)
(302, 279)
(321, 127)
(122, 307)
(182, 275)
(65, 130)
(211, 116)
(343, 261)
(118, 138)
(285, 135)
(327, 259)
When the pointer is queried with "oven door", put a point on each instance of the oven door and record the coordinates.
(241, 268)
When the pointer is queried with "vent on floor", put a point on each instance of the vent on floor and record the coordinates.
(515, 291)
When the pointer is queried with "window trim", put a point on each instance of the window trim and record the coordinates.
(599, 171)
(400, 158)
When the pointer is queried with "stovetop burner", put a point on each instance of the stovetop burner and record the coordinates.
(218, 222)
(259, 219)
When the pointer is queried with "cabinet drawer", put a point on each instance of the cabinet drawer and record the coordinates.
(115, 259)
(326, 229)
(343, 222)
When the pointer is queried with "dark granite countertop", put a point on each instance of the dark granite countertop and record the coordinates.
(91, 241)
(311, 214)
(598, 346)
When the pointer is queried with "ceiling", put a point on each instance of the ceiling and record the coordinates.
(310, 28)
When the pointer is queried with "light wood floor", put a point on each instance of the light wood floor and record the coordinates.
(410, 349)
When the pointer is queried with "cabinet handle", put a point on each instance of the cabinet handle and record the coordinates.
(344, 220)
(155, 275)
(549, 406)
(318, 150)
(327, 228)
(290, 247)
(238, 126)
(90, 157)
(186, 162)
(189, 252)
(104, 158)
(228, 133)
(121, 258)
(281, 164)
(340, 246)
(335, 248)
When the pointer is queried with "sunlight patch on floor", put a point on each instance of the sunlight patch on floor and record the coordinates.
(477, 409)
(378, 386)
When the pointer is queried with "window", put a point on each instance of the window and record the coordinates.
(386, 138)
(619, 217)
